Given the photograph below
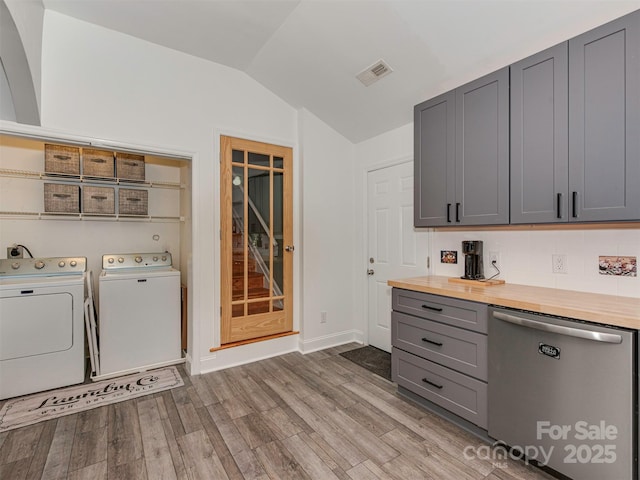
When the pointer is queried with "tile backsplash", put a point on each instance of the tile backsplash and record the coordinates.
(526, 257)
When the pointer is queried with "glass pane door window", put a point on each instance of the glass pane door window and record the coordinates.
(256, 237)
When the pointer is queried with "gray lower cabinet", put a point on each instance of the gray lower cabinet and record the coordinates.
(461, 157)
(439, 352)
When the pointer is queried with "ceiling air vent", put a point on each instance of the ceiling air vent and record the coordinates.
(374, 73)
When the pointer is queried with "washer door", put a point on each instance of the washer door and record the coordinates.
(35, 325)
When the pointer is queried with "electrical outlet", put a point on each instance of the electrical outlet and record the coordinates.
(323, 317)
(559, 263)
(15, 251)
(494, 257)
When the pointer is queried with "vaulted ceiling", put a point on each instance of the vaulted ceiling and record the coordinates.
(309, 51)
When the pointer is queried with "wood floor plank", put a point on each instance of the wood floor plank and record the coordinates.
(237, 406)
(363, 439)
(57, 463)
(200, 458)
(308, 459)
(169, 434)
(328, 431)
(219, 445)
(89, 447)
(97, 471)
(280, 424)
(335, 456)
(15, 470)
(124, 438)
(186, 410)
(158, 461)
(39, 458)
(232, 437)
(20, 443)
(133, 470)
(203, 389)
(254, 431)
(249, 465)
(372, 419)
(279, 463)
(168, 410)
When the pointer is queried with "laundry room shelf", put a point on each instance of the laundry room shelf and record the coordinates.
(90, 217)
(87, 179)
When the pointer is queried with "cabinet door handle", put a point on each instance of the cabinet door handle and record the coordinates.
(448, 213)
(429, 307)
(439, 344)
(435, 309)
(559, 206)
(432, 383)
(458, 212)
(575, 205)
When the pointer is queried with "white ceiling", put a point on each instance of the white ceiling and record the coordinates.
(308, 52)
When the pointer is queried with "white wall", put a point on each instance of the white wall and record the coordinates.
(328, 228)
(100, 83)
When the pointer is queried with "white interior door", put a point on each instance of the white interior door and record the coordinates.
(395, 249)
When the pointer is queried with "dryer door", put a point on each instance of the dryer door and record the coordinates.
(35, 324)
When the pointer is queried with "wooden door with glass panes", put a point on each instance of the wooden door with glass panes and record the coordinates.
(256, 240)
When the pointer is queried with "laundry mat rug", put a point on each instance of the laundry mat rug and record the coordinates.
(372, 358)
(36, 408)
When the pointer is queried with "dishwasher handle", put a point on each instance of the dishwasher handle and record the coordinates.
(559, 329)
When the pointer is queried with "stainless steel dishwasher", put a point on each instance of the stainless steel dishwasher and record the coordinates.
(563, 392)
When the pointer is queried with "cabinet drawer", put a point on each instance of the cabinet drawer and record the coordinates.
(130, 166)
(458, 393)
(458, 313)
(61, 159)
(61, 198)
(452, 347)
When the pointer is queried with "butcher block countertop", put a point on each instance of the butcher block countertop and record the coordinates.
(593, 307)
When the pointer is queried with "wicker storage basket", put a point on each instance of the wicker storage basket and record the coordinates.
(97, 163)
(61, 198)
(98, 200)
(133, 201)
(62, 160)
(130, 166)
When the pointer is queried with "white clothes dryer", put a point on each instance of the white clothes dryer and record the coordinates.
(41, 324)
(139, 313)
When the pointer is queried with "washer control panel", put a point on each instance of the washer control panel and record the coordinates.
(42, 267)
(136, 260)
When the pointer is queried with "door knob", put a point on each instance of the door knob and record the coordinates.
(289, 248)
(370, 271)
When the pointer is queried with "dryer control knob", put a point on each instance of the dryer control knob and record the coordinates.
(155, 259)
(73, 263)
(164, 258)
(138, 259)
(15, 265)
(39, 265)
(120, 260)
(61, 263)
(110, 260)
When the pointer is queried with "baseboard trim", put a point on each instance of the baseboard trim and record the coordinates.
(328, 341)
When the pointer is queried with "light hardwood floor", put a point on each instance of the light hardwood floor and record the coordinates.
(296, 416)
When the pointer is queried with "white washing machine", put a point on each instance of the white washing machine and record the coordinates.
(139, 313)
(41, 324)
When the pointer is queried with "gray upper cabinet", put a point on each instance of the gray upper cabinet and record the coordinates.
(482, 151)
(539, 137)
(462, 155)
(434, 164)
(604, 122)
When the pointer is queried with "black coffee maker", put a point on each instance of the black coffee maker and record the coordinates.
(473, 265)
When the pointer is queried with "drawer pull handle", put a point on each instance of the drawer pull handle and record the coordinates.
(435, 309)
(458, 212)
(131, 164)
(98, 160)
(62, 157)
(98, 197)
(439, 344)
(134, 199)
(61, 195)
(432, 383)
